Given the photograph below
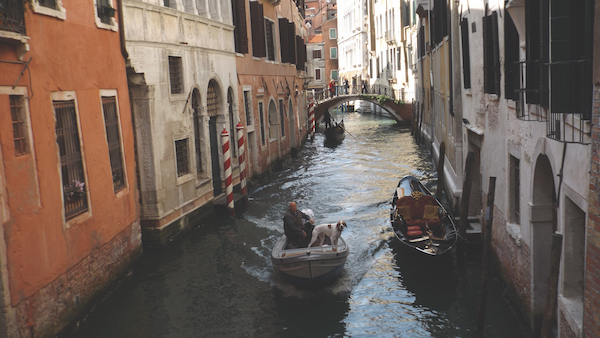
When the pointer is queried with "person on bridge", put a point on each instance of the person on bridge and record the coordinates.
(331, 88)
(294, 228)
(346, 86)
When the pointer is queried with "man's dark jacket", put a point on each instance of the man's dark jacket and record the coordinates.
(293, 224)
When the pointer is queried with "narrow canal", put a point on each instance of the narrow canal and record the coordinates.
(217, 280)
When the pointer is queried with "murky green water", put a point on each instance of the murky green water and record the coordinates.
(217, 281)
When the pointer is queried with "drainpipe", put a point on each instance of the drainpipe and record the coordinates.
(122, 29)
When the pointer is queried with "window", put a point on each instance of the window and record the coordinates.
(71, 161)
(270, 40)
(316, 53)
(334, 74)
(111, 122)
(332, 33)
(19, 123)
(170, 3)
(466, 57)
(514, 190)
(262, 122)
(257, 24)
(317, 74)
(491, 54)
(105, 11)
(281, 117)
(333, 53)
(176, 74)
(272, 120)
(239, 21)
(48, 3)
(181, 154)
(248, 107)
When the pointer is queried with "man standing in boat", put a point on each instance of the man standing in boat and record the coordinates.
(293, 226)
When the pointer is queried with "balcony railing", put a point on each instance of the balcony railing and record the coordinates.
(530, 90)
(12, 18)
(570, 101)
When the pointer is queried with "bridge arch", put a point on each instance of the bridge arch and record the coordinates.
(401, 112)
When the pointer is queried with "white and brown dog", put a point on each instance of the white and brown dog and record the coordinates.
(333, 231)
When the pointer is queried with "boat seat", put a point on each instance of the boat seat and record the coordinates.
(420, 212)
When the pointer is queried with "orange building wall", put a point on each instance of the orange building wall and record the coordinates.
(70, 55)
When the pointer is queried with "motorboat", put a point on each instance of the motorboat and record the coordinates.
(309, 266)
(420, 221)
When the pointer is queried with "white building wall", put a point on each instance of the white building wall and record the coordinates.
(153, 33)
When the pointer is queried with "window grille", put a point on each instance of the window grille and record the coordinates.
(176, 74)
(270, 40)
(48, 3)
(17, 113)
(105, 11)
(181, 152)
(71, 162)
(247, 108)
(111, 121)
(12, 18)
(212, 102)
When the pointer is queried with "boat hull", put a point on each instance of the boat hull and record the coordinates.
(296, 266)
(424, 246)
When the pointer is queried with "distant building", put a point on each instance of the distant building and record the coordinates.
(69, 214)
(271, 80)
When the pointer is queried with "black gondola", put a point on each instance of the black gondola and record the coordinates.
(335, 132)
(420, 222)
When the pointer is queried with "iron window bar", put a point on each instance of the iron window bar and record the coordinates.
(570, 101)
(528, 94)
(12, 16)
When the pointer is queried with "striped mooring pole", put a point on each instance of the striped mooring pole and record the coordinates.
(227, 168)
(240, 141)
(311, 118)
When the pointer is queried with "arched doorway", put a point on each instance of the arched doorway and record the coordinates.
(292, 124)
(212, 109)
(543, 225)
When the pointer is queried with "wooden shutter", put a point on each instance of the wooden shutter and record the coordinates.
(291, 43)
(257, 22)
(283, 40)
(466, 57)
(240, 31)
(511, 57)
(496, 53)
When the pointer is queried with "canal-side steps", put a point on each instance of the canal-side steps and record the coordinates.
(473, 234)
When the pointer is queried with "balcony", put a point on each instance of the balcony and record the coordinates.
(570, 101)
(531, 90)
(12, 19)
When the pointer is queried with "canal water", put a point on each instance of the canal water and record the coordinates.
(217, 280)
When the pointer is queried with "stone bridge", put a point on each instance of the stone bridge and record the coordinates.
(401, 112)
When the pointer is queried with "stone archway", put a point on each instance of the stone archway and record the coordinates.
(213, 107)
(543, 225)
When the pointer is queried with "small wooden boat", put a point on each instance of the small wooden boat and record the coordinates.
(296, 266)
(336, 132)
(419, 220)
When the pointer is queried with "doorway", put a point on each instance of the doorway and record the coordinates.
(214, 154)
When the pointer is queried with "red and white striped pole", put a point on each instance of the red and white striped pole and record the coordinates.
(240, 141)
(227, 168)
(311, 118)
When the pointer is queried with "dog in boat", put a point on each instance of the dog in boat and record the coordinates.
(333, 231)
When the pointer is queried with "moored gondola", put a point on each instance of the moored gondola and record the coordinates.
(420, 222)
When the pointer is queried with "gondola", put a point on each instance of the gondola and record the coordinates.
(336, 132)
(420, 222)
(296, 266)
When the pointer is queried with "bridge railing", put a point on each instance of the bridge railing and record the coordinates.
(376, 89)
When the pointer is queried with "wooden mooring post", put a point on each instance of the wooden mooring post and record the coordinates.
(440, 171)
(487, 248)
(550, 308)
